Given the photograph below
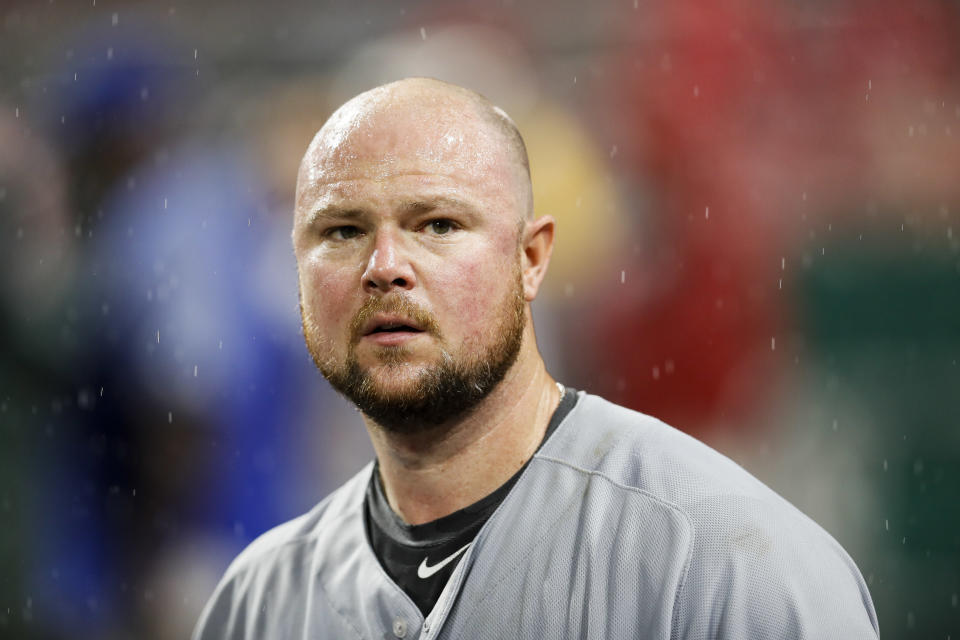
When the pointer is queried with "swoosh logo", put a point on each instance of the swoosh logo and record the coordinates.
(424, 571)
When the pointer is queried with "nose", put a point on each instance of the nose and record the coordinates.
(388, 265)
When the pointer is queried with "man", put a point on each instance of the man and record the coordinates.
(500, 504)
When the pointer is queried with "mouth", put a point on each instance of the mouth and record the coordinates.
(394, 328)
(390, 325)
(388, 331)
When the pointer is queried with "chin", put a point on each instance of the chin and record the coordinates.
(394, 380)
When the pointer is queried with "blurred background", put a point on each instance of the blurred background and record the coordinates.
(759, 242)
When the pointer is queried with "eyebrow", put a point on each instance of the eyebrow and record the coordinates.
(333, 212)
(426, 205)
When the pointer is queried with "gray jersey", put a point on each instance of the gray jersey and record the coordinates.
(620, 527)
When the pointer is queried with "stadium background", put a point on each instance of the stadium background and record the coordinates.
(759, 242)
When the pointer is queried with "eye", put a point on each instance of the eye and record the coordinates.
(441, 226)
(346, 232)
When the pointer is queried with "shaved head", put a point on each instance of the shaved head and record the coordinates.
(440, 106)
(417, 251)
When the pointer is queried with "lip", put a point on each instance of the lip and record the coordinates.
(392, 338)
(386, 338)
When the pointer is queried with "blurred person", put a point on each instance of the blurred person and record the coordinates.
(109, 105)
(500, 502)
(195, 363)
(755, 133)
(163, 362)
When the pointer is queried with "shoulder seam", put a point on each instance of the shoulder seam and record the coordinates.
(594, 472)
(674, 617)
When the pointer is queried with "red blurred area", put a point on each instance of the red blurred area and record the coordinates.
(751, 121)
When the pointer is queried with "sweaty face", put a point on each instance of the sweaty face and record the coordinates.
(407, 244)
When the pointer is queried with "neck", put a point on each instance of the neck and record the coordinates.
(432, 474)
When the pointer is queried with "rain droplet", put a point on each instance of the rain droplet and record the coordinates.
(115, 19)
(773, 344)
(170, 417)
(423, 33)
(623, 277)
(706, 213)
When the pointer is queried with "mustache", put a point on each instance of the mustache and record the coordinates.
(400, 305)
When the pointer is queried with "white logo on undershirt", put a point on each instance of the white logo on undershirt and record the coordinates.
(424, 571)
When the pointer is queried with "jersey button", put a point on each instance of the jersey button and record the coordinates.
(400, 628)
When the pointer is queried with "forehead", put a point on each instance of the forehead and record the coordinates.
(444, 142)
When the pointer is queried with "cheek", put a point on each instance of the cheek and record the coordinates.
(472, 295)
(327, 292)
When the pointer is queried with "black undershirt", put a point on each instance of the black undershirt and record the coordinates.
(434, 548)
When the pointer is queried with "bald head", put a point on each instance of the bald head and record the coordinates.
(442, 117)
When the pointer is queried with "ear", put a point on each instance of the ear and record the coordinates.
(537, 248)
